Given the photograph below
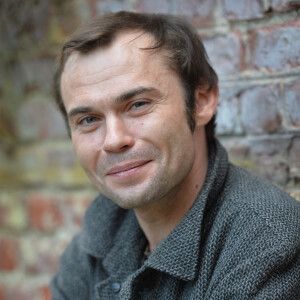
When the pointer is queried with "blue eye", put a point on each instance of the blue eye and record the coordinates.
(88, 120)
(139, 104)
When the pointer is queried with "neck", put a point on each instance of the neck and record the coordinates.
(159, 218)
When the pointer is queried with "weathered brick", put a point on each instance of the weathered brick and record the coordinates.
(228, 112)
(260, 110)
(285, 5)
(24, 18)
(275, 48)
(60, 156)
(198, 12)
(51, 163)
(295, 193)
(266, 157)
(270, 145)
(33, 74)
(64, 18)
(8, 170)
(2, 76)
(226, 53)
(294, 158)
(74, 208)
(13, 214)
(154, 6)
(270, 158)
(8, 145)
(44, 212)
(292, 104)
(39, 118)
(239, 152)
(242, 9)
(26, 289)
(9, 252)
(236, 146)
(105, 6)
(38, 256)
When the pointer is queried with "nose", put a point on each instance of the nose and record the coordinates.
(117, 137)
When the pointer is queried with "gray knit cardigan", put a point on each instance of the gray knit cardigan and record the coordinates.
(240, 240)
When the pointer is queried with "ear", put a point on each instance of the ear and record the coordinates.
(206, 104)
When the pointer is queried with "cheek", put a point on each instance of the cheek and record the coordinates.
(86, 150)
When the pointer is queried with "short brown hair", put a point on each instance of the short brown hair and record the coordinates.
(188, 57)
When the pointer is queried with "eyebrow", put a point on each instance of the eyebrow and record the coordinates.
(79, 110)
(118, 100)
(132, 93)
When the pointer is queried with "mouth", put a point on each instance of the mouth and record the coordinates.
(127, 169)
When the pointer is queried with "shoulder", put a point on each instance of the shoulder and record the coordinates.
(256, 193)
(254, 200)
(253, 229)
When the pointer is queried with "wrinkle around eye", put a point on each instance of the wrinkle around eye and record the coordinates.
(139, 104)
(140, 107)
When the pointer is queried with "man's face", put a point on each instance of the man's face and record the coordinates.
(126, 111)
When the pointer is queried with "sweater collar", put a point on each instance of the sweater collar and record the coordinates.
(113, 234)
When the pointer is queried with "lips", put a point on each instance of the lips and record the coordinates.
(127, 167)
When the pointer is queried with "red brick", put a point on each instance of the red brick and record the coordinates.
(153, 6)
(285, 5)
(292, 104)
(275, 48)
(226, 53)
(260, 109)
(44, 213)
(38, 255)
(45, 293)
(74, 209)
(8, 254)
(198, 12)
(243, 9)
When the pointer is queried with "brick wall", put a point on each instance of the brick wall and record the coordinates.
(255, 48)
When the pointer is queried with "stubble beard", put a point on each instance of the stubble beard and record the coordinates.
(162, 186)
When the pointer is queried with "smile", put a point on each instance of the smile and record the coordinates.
(127, 169)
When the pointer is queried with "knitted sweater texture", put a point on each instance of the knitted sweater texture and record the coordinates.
(240, 240)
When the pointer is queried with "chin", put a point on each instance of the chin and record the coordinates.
(131, 203)
(131, 199)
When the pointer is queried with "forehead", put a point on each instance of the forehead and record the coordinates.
(128, 49)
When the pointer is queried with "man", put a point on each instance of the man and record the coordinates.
(174, 220)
